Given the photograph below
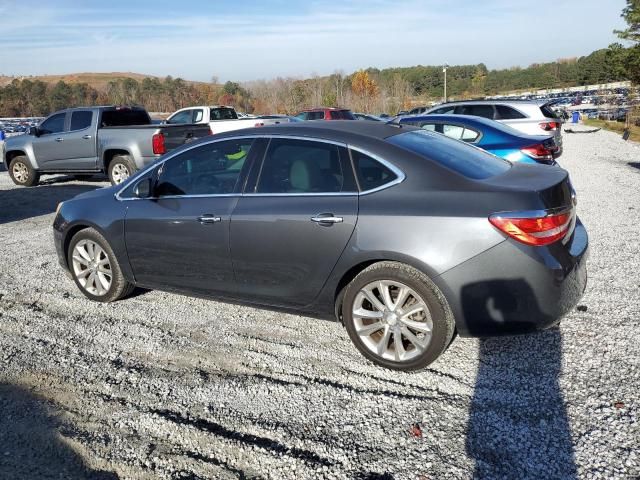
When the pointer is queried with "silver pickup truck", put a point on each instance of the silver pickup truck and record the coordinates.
(84, 141)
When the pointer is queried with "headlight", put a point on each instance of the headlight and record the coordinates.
(58, 208)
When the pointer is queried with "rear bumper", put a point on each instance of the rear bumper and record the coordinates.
(513, 288)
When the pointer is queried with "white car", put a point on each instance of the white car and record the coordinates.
(526, 116)
(220, 118)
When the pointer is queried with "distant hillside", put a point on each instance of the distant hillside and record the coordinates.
(99, 81)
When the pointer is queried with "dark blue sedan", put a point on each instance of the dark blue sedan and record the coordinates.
(492, 136)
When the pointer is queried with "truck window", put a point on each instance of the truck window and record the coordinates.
(181, 117)
(80, 119)
(223, 114)
(54, 124)
(124, 117)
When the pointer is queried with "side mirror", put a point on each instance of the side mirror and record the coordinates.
(34, 131)
(143, 188)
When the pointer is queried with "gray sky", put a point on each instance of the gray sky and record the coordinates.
(253, 39)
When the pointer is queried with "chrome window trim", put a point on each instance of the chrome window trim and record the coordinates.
(400, 176)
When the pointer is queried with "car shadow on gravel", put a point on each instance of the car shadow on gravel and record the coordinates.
(30, 442)
(518, 425)
(634, 164)
(21, 203)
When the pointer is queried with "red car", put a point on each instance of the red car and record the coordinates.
(323, 113)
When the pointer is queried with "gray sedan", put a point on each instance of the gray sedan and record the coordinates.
(405, 236)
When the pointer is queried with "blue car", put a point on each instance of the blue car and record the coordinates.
(494, 137)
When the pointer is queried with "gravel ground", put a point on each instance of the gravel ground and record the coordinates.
(165, 386)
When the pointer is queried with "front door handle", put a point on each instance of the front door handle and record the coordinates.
(86, 137)
(326, 218)
(208, 218)
(59, 139)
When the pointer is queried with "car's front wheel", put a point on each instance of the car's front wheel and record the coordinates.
(95, 269)
(22, 173)
(397, 317)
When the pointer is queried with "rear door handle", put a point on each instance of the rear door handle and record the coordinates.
(208, 218)
(326, 218)
(59, 139)
(86, 137)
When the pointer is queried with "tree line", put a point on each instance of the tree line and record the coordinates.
(369, 90)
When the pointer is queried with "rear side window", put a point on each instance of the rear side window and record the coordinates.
(341, 115)
(315, 115)
(507, 113)
(81, 119)
(444, 110)
(223, 114)
(464, 159)
(371, 173)
(485, 111)
(124, 117)
(301, 166)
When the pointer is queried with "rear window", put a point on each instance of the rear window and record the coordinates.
(80, 120)
(223, 114)
(341, 115)
(547, 112)
(315, 115)
(124, 117)
(464, 159)
(485, 111)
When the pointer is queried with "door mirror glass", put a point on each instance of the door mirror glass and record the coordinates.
(143, 188)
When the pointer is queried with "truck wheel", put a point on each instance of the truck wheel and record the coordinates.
(22, 173)
(120, 168)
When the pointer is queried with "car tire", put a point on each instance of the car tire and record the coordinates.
(121, 167)
(382, 326)
(95, 269)
(22, 173)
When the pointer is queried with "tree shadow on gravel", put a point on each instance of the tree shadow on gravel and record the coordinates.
(30, 442)
(21, 203)
(518, 426)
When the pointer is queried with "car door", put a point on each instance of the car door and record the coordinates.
(179, 238)
(292, 224)
(48, 146)
(79, 141)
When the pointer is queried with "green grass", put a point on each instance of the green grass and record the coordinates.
(613, 126)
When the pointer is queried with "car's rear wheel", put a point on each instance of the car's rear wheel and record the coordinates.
(22, 173)
(120, 168)
(397, 317)
(95, 269)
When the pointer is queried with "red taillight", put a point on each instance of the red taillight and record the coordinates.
(157, 142)
(548, 126)
(538, 152)
(210, 131)
(533, 230)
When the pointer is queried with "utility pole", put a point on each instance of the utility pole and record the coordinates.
(444, 69)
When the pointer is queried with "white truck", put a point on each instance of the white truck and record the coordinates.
(219, 117)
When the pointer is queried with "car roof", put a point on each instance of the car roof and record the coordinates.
(469, 119)
(335, 129)
(318, 109)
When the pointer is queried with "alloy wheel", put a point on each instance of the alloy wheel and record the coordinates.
(119, 173)
(20, 172)
(392, 320)
(91, 267)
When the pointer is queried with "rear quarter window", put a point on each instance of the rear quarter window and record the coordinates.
(507, 113)
(460, 157)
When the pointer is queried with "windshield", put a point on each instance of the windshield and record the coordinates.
(455, 155)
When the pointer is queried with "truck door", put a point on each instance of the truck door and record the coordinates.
(80, 142)
(49, 147)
